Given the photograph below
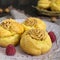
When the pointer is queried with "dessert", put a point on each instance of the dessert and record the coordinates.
(35, 42)
(55, 5)
(32, 22)
(12, 25)
(10, 32)
(43, 4)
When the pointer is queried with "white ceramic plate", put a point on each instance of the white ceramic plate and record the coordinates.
(53, 54)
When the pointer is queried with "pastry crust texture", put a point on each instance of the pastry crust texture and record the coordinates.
(35, 42)
(55, 5)
(10, 32)
(43, 4)
(32, 22)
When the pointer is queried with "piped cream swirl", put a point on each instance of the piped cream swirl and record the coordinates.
(30, 22)
(37, 34)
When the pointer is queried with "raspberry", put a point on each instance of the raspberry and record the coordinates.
(52, 36)
(10, 50)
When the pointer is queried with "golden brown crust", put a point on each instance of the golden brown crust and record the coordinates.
(4, 32)
(10, 32)
(5, 41)
(32, 22)
(12, 25)
(37, 34)
(35, 42)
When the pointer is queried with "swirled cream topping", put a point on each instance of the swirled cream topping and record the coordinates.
(6, 24)
(37, 34)
(30, 22)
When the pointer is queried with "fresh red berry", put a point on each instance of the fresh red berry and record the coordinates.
(52, 36)
(10, 50)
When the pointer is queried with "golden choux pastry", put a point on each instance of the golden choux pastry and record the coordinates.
(12, 26)
(10, 32)
(32, 22)
(43, 4)
(55, 5)
(13, 39)
(35, 42)
(4, 32)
